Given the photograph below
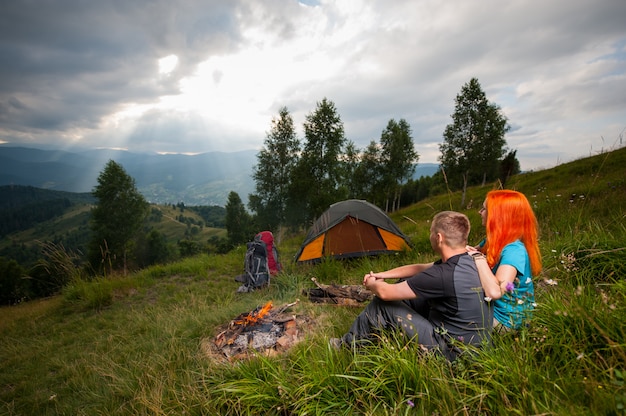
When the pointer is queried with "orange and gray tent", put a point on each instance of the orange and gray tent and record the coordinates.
(352, 228)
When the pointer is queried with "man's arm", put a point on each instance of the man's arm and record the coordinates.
(386, 291)
(402, 272)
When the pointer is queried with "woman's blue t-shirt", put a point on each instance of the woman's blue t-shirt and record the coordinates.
(514, 307)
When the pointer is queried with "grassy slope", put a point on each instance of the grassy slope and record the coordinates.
(77, 219)
(141, 344)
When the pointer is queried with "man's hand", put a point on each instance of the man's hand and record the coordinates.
(368, 275)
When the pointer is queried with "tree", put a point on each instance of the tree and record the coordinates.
(367, 181)
(238, 221)
(509, 166)
(352, 160)
(152, 248)
(13, 286)
(474, 141)
(116, 218)
(274, 170)
(318, 177)
(398, 158)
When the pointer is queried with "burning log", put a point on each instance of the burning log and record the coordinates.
(265, 329)
(350, 295)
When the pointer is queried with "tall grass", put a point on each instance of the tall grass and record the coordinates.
(142, 344)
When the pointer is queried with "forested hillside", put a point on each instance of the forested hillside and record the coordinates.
(22, 207)
(34, 223)
(144, 343)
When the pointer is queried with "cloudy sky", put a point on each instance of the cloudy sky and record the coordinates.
(193, 76)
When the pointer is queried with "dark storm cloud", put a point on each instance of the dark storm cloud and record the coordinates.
(87, 72)
(68, 63)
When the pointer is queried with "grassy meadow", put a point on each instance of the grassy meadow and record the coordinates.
(142, 344)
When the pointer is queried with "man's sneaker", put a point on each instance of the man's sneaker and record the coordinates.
(335, 343)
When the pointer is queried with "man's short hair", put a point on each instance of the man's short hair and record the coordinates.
(455, 226)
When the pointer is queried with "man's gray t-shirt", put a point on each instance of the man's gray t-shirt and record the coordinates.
(456, 299)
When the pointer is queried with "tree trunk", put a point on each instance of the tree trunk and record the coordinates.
(464, 189)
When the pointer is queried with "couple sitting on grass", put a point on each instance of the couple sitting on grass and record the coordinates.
(461, 298)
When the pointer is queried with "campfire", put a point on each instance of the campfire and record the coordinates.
(266, 329)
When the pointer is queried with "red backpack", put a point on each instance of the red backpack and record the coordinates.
(273, 262)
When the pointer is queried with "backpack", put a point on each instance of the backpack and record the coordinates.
(273, 261)
(256, 266)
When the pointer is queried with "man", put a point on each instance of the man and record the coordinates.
(438, 304)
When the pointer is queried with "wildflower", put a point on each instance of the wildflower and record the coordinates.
(580, 356)
(410, 403)
(520, 301)
(487, 299)
(534, 304)
(551, 282)
(510, 287)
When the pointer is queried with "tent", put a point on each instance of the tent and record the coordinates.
(352, 228)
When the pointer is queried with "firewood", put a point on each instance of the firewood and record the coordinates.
(338, 294)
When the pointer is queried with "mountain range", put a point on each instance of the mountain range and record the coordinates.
(203, 179)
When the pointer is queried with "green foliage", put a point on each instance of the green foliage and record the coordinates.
(142, 344)
(398, 158)
(274, 172)
(294, 185)
(189, 248)
(474, 142)
(15, 219)
(509, 166)
(213, 216)
(116, 219)
(367, 177)
(152, 248)
(238, 222)
(318, 177)
(13, 286)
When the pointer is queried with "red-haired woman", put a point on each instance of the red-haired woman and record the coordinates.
(509, 256)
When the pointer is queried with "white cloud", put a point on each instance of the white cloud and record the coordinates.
(196, 76)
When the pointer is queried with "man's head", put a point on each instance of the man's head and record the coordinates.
(450, 228)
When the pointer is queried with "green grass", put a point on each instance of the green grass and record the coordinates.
(141, 344)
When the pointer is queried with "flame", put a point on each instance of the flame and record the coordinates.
(254, 316)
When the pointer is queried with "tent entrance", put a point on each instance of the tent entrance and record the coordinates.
(364, 238)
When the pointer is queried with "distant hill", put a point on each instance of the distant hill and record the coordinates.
(205, 179)
(425, 169)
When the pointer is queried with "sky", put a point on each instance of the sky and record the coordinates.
(195, 76)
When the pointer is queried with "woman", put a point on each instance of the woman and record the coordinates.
(509, 256)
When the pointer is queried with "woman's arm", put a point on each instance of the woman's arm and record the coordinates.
(493, 285)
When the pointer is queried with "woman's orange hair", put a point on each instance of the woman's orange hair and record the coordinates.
(510, 217)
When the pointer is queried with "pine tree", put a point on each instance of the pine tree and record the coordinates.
(116, 218)
(238, 222)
